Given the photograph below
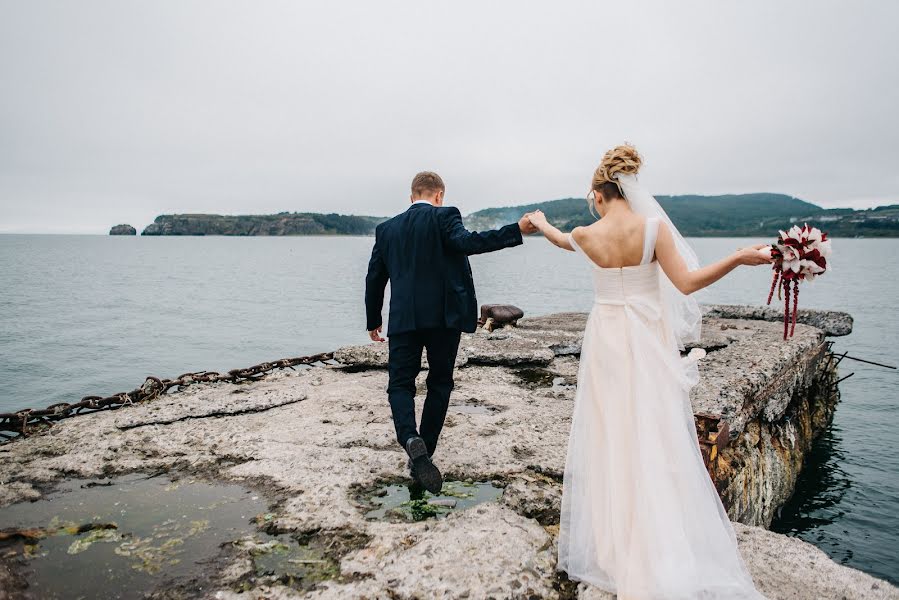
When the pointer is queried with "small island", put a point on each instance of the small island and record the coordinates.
(123, 229)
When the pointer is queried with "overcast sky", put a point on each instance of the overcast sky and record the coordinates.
(117, 111)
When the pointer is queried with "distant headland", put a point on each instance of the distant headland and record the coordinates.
(280, 224)
(731, 215)
(696, 216)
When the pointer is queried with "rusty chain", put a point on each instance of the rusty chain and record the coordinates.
(27, 421)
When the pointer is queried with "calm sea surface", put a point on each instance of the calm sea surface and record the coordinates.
(86, 315)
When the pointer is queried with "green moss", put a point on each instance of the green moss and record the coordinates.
(411, 503)
(97, 535)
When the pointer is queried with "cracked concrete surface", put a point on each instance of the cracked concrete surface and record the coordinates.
(309, 440)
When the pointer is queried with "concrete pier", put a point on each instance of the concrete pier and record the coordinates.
(318, 445)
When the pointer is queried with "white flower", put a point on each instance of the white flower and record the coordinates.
(789, 252)
(791, 265)
(814, 235)
(810, 268)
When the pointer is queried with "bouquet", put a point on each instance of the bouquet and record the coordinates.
(800, 253)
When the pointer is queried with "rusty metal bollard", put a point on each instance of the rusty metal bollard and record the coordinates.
(499, 315)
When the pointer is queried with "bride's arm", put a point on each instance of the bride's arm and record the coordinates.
(549, 232)
(690, 281)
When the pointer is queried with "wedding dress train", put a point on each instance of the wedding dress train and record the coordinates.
(640, 515)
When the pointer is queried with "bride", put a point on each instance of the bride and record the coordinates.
(640, 515)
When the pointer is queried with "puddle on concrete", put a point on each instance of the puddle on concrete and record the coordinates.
(155, 530)
(412, 503)
(534, 378)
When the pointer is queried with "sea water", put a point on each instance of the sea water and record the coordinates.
(84, 315)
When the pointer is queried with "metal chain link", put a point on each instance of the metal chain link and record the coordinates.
(27, 421)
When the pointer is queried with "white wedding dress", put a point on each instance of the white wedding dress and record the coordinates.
(640, 515)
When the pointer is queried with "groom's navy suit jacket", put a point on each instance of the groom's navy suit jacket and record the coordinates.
(424, 253)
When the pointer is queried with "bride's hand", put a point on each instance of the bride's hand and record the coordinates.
(538, 219)
(760, 254)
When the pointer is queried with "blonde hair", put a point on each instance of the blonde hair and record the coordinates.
(623, 159)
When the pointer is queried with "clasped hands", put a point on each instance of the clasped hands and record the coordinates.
(531, 222)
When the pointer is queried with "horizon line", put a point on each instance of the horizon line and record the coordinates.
(140, 229)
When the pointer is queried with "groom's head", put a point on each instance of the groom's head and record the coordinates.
(429, 187)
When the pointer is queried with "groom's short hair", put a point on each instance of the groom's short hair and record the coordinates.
(427, 181)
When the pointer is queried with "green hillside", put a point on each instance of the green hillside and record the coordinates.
(710, 216)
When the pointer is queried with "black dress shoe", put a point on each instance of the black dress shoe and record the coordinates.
(411, 467)
(423, 470)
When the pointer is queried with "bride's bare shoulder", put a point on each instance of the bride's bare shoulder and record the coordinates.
(582, 232)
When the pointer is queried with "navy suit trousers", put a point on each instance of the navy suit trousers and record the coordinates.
(442, 345)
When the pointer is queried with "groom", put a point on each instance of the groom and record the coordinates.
(423, 252)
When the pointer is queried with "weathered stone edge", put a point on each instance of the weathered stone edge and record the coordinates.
(831, 322)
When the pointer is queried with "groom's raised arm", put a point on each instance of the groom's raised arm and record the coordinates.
(456, 237)
(375, 282)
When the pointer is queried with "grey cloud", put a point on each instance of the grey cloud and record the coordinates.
(117, 111)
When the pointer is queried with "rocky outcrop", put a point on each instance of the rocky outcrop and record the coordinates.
(246, 225)
(123, 229)
(319, 443)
